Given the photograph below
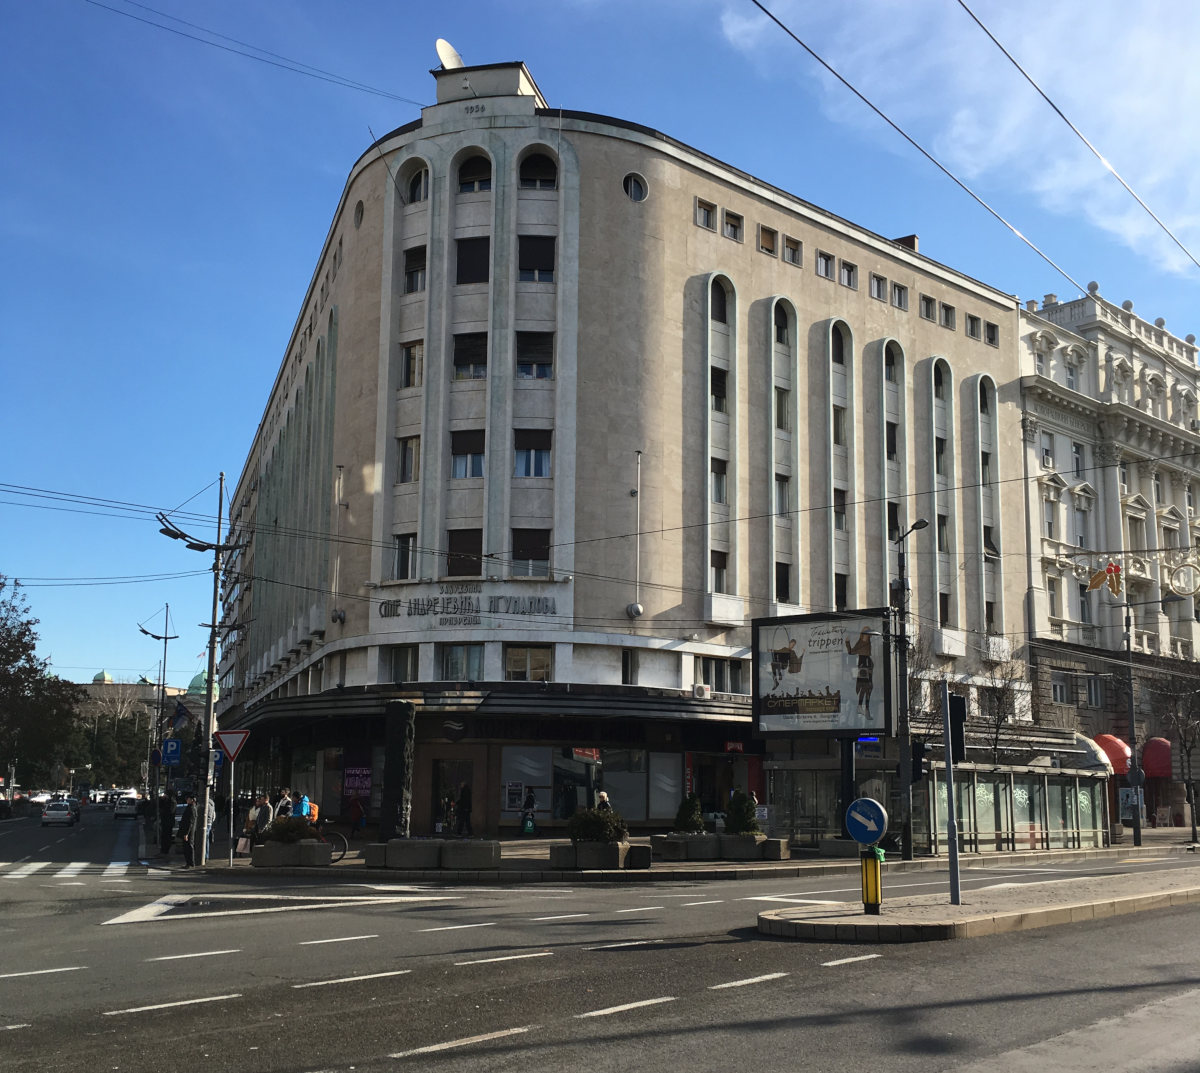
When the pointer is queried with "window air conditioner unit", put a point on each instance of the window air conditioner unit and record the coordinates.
(702, 692)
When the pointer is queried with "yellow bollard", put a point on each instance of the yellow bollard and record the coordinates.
(872, 880)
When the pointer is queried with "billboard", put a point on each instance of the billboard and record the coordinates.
(823, 674)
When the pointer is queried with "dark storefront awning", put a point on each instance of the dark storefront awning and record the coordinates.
(1156, 758)
(1116, 751)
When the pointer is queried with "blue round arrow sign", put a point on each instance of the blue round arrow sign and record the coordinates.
(866, 820)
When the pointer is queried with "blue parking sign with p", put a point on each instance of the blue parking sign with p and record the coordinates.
(172, 752)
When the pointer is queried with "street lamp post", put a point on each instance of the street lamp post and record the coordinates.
(165, 636)
(902, 726)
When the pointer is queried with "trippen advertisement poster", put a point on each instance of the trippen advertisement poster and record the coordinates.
(822, 674)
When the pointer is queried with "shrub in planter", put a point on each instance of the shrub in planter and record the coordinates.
(740, 818)
(595, 825)
(689, 820)
(290, 829)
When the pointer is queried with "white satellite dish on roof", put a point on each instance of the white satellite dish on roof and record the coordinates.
(448, 54)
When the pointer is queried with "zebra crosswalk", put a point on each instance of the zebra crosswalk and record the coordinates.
(15, 870)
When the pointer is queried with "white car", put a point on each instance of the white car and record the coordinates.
(125, 806)
(58, 812)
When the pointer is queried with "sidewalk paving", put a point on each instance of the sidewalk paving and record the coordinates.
(917, 918)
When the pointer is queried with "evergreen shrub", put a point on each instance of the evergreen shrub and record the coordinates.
(740, 818)
(689, 820)
(595, 825)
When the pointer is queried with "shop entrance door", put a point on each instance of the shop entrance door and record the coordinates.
(451, 807)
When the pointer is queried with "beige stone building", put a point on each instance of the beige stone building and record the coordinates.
(567, 405)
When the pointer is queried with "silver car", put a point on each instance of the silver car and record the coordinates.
(58, 812)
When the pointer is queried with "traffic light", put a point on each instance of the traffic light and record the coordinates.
(920, 766)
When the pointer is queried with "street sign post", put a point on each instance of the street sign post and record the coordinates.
(867, 820)
(172, 752)
(230, 743)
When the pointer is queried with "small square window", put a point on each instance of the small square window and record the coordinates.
(948, 316)
(899, 296)
(991, 334)
(733, 226)
(928, 307)
(535, 355)
(531, 452)
(793, 251)
(825, 265)
(535, 258)
(878, 288)
(706, 214)
(974, 327)
(768, 240)
(848, 276)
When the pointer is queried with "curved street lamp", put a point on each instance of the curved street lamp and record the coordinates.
(902, 728)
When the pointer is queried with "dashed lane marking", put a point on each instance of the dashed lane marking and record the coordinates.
(749, 980)
(342, 939)
(41, 972)
(718, 901)
(510, 957)
(847, 961)
(200, 954)
(631, 942)
(461, 927)
(627, 1006)
(642, 909)
(434, 1047)
(354, 979)
(560, 916)
(170, 1005)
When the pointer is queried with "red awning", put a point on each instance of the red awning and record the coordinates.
(1116, 751)
(1156, 758)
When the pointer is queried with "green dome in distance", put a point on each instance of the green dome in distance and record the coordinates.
(103, 678)
(198, 686)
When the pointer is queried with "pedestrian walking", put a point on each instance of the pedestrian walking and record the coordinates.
(602, 804)
(263, 817)
(210, 818)
(464, 809)
(358, 815)
(187, 831)
(529, 814)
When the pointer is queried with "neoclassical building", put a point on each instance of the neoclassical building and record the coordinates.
(566, 406)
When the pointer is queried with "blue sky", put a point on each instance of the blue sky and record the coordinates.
(163, 202)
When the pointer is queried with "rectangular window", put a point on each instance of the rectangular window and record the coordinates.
(783, 420)
(414, 270)
(793, 251)
(461, 663)
(948, 316)
(890, 430)
(1158, 490)
(899, 296)
(943, 532)
(528, 663)
(408, 464)
(722, 675)
(889, 366)
(879, 288)
(839, 425)
(1072, 376)
(768, 240)
(841, 591)
(1095, 692)
(928, 307)
(974, 327)
(1081, 528)
(991, 550)
(839, 509)
(412, 361)
(893, 521)
(532, 446)
(989, 616)
(629, 666)
(717, 383)
(706, 214)
(717, 472)
(1052, 597)
(535, 258)
(825, 264)
(1039, 363)
(783, 583)
(848, 275)
(531, 553)
(1123, 477)
(466, 453)
(719, 570)
(1085, 605)
(404, 556)
(985, 468)
(470, 356)
(464, 553)
(1077, 458)
(783, 495)
(535, 355)
(1048, 518)
(1060, 689)
(474, 260)
(733, 226)
(403, 664)
(939, 454)
(1047, 450)
(943, 609)
(991, 334)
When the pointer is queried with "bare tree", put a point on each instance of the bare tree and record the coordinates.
(1179, 716)
(1000, 696)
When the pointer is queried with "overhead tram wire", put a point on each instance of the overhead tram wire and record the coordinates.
(917, 145)
(1078, 134)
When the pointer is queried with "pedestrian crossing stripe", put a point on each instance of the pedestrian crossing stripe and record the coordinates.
(71, 870)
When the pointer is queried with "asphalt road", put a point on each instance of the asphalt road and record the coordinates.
(109, 963)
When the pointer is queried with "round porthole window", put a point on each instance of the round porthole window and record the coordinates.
(358, 211)
(635, 187)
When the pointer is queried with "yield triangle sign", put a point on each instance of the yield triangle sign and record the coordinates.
(231, 742)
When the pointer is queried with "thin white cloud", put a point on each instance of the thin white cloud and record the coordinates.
(1129, 84)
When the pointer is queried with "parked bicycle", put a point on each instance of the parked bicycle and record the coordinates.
(334, 839)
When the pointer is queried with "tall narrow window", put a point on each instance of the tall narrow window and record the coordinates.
(1072, 376)
(939, 382)
(783, 495)
(890, 436)
(629, 666)
(474, 260)
(535, 355)
(418, 186)
(1052, 597)
(717, 380)
(414, 270)
(943, 532)
(717, 471)
(839, 509)
(943, 609)
(538, 172)
(408, 464)
(783, 420)
(1085, 605)
(893, 521)
(839, 426)
(1048, 510)
(531, 553)
(783, 583)
(989, 616)
(412, 359)
(781, 325)
(475, 175)
(404, 556)
(889, 365)
(984, 402)
(404, 663)
(841, 591)
(1077, 460)
(532, 447)
(464, 552)
(990, 548)
(466, 453)
(837, 346)
(939, 455)
(535, 258)
(719, 567)
(470, 356)
(985, 468)
(1047, 450)
(717, 303)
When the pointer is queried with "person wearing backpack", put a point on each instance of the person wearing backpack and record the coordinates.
(299, 804)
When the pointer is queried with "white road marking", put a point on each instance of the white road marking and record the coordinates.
(847, 961)
(116, 868)
(561, 916)
(26, 870)
(627, 1006)
(151, 911)
(41, 972)
(353, 979)
(463, 1042)
(72, 869)
(10, 1028)
(793, 901)
(642, 909)
(460, 927)
(749, 980)
(156, 910)
(202, 954)
(632, 942)
(43, 849)
(170, 1005)
(66, 884)
(510, 957)
(343, 939)
(1041, 883)
(717, 902)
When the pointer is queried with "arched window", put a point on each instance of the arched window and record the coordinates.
(891, 362)
(418, 186)
(984, 403)
(837, 346)
(781, 325)
(539, 172)
(719, 302)
(939, 385)
(474, 174)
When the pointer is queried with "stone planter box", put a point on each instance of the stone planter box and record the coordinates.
(414, 853)
(669, 847)
(638, 856)
(741, 847)
(562, 857)
(376, 855)
(307, 854)
(314, 854)
(593, 856)
(470, 855)
(703, 848)
(776, 849)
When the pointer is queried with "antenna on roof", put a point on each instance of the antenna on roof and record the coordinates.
(448, 54)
